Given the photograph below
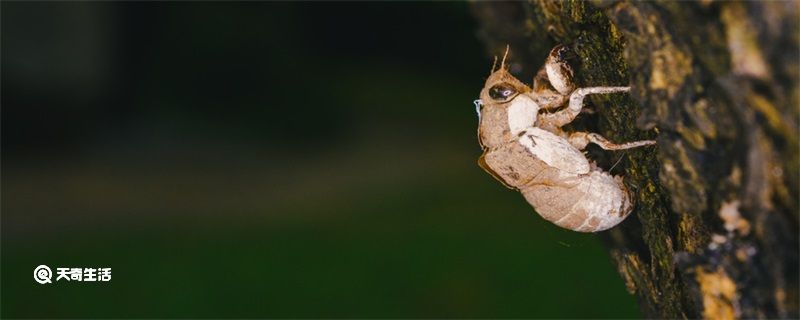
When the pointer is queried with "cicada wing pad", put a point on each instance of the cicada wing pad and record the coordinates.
(554, 151)
(482, 163)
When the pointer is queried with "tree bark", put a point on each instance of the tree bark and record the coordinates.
(715, 230)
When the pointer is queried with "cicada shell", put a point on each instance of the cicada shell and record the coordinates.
(525, 149)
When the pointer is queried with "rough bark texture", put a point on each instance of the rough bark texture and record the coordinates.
(715, 231)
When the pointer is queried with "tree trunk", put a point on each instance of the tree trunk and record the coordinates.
(715, 230)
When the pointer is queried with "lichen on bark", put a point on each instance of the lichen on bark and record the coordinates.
(716, 83)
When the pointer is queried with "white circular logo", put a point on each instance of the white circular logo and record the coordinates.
(42, 274)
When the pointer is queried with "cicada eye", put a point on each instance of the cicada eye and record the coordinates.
(561, 53)
(502, 92)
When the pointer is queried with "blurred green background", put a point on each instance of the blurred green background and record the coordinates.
(268, 160)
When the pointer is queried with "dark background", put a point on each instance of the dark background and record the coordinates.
(268, 160)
